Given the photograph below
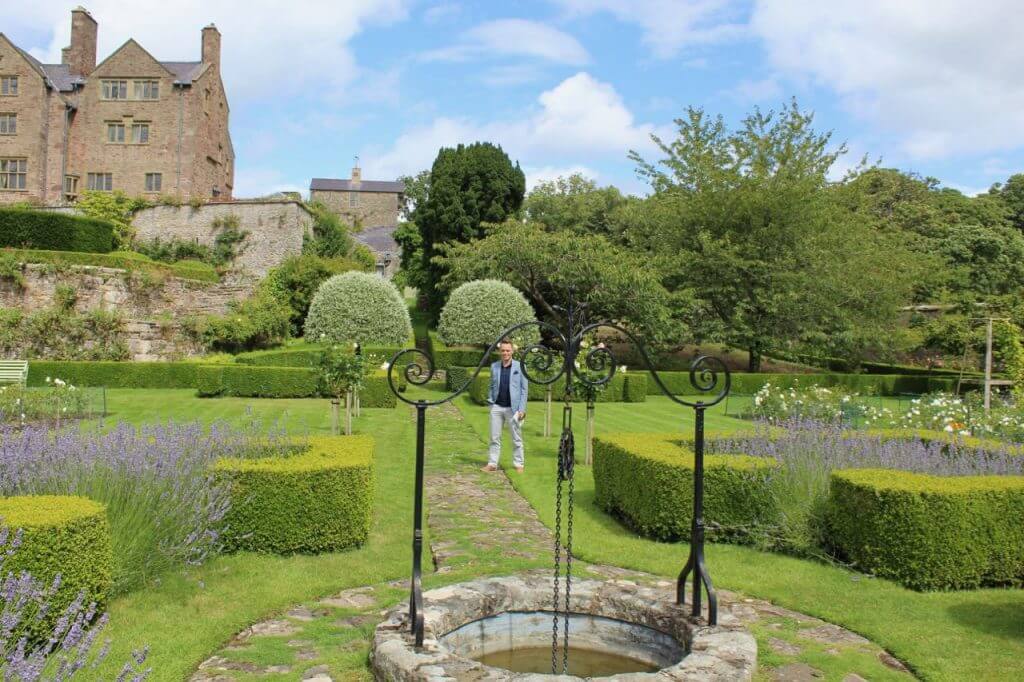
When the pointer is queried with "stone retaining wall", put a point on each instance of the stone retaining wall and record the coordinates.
(275, 228)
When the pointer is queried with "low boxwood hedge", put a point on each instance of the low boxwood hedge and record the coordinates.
(257, 382)
(647, 480)
(21, 228)
(615, 392)
(317, 501)
(866, 384)
(308, 356)
(62, 535)
(116, 374)
(929, 532)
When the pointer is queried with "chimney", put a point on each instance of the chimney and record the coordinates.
(211, 45)
(65, 55)
(81, 54)
(357, 174)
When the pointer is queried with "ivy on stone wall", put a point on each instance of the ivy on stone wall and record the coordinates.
(58, 333)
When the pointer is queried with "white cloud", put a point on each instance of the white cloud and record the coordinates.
(944, 76)
(579, 119)
(441, 12)
(511, 75)
(749, 91)
(513, 37)
(669, 25)
(535, 176)
(261, 44)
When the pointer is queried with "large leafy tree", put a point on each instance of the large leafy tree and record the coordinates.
(1011, 193)
(744, 224)
(575, 203)
(469, 185)
(547, 266)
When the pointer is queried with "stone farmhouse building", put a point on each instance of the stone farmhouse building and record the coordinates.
(369, 205)
(130, 123)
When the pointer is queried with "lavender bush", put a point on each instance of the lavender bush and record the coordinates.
(808, 451)
(163, 506)
(72, 645)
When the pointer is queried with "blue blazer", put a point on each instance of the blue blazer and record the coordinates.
(518, 386)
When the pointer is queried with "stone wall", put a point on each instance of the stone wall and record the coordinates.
(152, 310)
(275, 228)
(372, 209)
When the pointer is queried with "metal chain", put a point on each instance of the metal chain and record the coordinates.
(558, 572)
(568, 565)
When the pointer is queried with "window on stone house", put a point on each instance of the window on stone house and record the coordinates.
(70, 187)
(8, 124)
(140, 133)
(13, 173)
(146, 89)
(353, 199)
(154, 182)
(115, 133)
(115, 89)
(9, 85)
(102, 182)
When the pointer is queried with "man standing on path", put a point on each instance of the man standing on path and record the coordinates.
(507, 398)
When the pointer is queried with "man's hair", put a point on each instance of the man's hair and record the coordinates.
(506, 342)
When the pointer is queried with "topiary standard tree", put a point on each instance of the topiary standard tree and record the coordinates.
(478, 311)
(358, 306)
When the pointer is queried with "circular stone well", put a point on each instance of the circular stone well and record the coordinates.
(467, 621)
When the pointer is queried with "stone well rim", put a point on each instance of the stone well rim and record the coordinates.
(723, 652)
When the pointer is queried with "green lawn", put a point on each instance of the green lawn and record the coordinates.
(946, 636)
(977, 634)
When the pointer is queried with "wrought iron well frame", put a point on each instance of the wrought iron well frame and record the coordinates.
(704, 377)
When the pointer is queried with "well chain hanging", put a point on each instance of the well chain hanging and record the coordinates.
(566, 472)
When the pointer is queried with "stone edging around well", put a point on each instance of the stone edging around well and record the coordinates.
(725, 652)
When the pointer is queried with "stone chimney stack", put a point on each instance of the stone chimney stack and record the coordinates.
(65, 55)
(81, 54)
(211, 45)
(357, 174)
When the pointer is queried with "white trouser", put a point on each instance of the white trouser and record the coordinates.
(499, 417)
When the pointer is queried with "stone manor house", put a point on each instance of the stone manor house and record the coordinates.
(130, 123)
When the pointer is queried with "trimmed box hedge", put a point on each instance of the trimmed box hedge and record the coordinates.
(929, 532)
(614, 392)
(257, 382)
(21, 228)
(647, 480)
(116, 374)
(867, 384)
(317, 501)
(306, 357)
(63, 535)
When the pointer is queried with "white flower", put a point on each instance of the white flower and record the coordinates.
(58, 382)
(949, 427)
(47, 379)
(385, 366)
(23, 416)
(355, 345)
(622, 368)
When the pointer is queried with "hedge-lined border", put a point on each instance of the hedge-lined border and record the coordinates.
(867, 384)
(64, 535)
(23, 228)
(929, 532)
(309, 356)
(647, 480)
(314, 502)
(209, 380)
(118, 260)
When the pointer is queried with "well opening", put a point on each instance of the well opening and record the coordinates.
(521, 642)
(501, 629)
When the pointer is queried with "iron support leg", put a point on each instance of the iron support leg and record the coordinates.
(416, 596)
(695, 562)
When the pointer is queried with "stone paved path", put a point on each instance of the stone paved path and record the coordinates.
(476, 520)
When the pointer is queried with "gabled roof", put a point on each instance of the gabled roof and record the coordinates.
(184, 72)
(127, 43)
(60, 76)
(380, 239)
(328, 184)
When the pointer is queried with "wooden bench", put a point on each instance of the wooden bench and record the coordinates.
(13, 372)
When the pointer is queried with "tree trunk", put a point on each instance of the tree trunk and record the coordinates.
(348, 413)
(334, 416)
(755, 359)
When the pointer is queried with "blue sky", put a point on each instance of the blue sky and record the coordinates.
(572, 85)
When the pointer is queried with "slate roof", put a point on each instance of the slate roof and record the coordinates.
(184, 72)
(61, 77)
(330, 184)
(380, 238)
